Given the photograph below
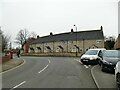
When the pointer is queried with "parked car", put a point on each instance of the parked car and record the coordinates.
(92, 56)
(117, 75)
(109, 60)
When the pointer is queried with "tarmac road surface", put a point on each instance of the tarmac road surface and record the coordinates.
(49, 72)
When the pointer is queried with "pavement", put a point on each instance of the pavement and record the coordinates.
(103, 79)
(11, 64)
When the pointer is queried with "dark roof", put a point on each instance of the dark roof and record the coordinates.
(29, 40)
(86, 35)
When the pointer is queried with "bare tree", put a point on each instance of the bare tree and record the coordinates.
(22, 37)
(33, 35)
(5, 39)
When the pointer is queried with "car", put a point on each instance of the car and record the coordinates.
(92, 56)
(117, 75)
(109, 60)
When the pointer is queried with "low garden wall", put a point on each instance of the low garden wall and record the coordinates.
(52, 54)
(5, 59)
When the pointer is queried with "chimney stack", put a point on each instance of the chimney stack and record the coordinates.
(101, 28)
(51, 33)
(38, 36)
(72, 30)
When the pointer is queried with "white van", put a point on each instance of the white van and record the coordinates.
(92, 56)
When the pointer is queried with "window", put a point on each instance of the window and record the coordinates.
(91, 52)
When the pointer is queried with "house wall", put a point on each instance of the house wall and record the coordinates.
(26, 48)
(117, 43)
(68, 46)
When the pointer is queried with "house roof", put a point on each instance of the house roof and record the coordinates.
(29, 40)
(86, 35)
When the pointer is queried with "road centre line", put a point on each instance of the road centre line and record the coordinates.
(18, 85)
(45, 67)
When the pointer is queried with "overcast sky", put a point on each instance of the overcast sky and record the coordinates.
(58, 16)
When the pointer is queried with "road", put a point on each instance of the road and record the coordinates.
(49, 72)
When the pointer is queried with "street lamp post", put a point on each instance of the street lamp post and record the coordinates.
(76, 38)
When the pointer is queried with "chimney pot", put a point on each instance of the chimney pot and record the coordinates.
(101, 28)
(51, 33)
(38, 36)
(72, 30)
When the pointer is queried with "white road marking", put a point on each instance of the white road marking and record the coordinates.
(89, 65)
(14, 67)
(49, 61)
(18, 85)
(82, 63)
(86, 66)
(78, 61)
(45, 67)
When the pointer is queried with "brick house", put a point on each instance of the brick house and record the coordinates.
(27, 44)
(117, 43)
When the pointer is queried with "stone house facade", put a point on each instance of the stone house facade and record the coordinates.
(70, 42)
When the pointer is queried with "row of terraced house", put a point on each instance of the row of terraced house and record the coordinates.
(69, 42)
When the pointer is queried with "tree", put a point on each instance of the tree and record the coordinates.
(109, 42)
(33, 35)
(22, 37)
(4, 40)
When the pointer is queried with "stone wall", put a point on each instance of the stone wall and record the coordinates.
(66, 46)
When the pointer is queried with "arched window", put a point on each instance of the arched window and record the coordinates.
(32, 50)
(60, 49)
(39, 50)
(48, 49)
(75, 49)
